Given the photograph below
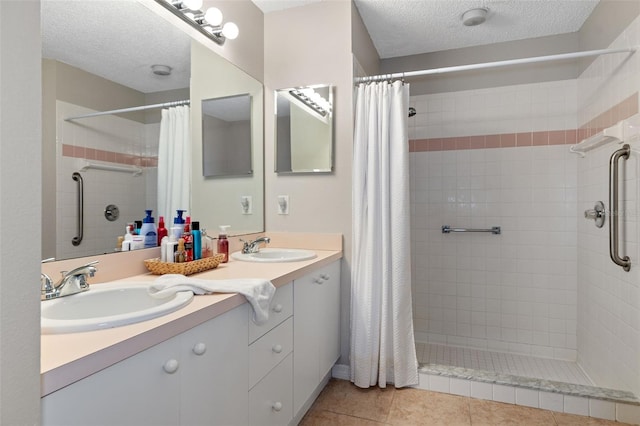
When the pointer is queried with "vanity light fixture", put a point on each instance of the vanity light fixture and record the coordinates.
(313, 100)
(208, 23)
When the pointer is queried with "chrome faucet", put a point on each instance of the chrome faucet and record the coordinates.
(72, 282)
(253, 246)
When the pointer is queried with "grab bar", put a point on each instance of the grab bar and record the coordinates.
(78, 178)
(446, 229)
(624, 262)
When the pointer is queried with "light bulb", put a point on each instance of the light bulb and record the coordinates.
(192, 4)
(213, 16)
(230, 30)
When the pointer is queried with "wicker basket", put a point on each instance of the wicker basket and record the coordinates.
(156, 267)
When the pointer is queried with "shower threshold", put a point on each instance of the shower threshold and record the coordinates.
(512, 370)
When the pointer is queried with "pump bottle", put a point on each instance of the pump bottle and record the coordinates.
(223, 243)
(148, 231)
(162, 231)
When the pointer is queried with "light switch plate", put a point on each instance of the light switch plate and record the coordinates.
(283, 204)
(246, 204)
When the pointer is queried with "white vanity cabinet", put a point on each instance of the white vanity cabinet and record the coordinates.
(197, 377)
(316, 335)
(270, 363)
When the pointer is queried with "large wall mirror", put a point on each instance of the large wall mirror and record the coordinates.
(101, 56)
(304, 129)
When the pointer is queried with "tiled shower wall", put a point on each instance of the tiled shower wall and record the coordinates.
(608, 297)
(496, 157)
(106, 139)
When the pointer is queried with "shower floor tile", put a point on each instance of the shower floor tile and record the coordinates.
(500, 362)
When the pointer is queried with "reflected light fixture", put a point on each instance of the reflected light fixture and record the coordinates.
(208, 23)
(313, 100)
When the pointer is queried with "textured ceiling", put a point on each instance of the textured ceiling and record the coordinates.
(121, 39)
(118, 40)
(409, 27)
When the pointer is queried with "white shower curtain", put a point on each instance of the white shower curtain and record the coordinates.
(174, 162)
(382, 342)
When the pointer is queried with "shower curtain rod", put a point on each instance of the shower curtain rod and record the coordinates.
(139, 108)
(492, 64)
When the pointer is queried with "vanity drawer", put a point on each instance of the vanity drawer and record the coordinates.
(281, 308)
(266, 352)
(271, 400)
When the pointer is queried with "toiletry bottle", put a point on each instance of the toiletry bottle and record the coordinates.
(197, 240)
(223, 243)
(162, 231)
(172, 247)
(138, 225)
(119, 243)
(163, 249)
(178, 225)
(187, 236)
(128, 236)
(180, 256)
(207, 244)
(148, 231)
(137, 243)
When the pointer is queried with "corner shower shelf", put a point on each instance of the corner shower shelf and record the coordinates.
(626, 130)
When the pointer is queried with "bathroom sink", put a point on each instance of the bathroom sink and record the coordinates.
(275, 255)
(107, 306)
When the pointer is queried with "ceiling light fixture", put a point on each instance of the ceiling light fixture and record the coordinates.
(473, 17)
(208, 23)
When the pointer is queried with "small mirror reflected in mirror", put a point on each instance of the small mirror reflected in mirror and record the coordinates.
(226, 136)
(304, 129)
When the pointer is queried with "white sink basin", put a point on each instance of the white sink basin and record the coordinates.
(275, 255)
(107, 306)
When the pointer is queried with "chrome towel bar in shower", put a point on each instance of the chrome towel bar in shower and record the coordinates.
(446, 229)
(614, 214)
(78, 178)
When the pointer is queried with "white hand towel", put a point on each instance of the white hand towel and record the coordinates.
(258, 292)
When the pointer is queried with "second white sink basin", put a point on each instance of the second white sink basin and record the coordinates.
(275, 255)
(107, 306)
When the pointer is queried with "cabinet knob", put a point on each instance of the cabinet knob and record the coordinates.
(325, 276)
(277, 406)
(318, 280)
(277, 308)
(171, 366)
(277, 348)
(199, 348)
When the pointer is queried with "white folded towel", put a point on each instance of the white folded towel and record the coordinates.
(258, 292)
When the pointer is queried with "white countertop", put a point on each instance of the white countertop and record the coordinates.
(66, 358)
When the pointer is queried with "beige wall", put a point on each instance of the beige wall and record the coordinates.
(216, 200)
(495, 77)
(318, 203)
(362, 46)
(20, 161)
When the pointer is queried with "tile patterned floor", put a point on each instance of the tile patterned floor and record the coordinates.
(343, 404)
(500, 362)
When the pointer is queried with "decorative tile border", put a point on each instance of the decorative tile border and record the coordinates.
(505, 140)
(108, 156)
(622, 110)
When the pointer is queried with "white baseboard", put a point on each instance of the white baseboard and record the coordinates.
(341, 371)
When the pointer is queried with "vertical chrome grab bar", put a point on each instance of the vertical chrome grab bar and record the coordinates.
(614, 214)
(78, 238)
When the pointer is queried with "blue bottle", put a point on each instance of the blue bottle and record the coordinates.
(197, 240)
(148, 231)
